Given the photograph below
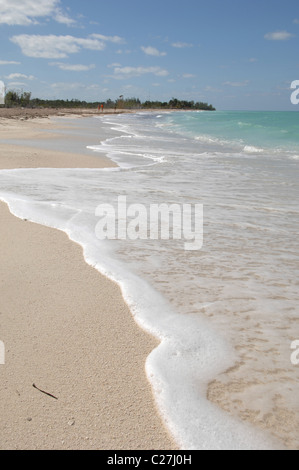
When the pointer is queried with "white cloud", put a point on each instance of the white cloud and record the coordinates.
(278, 36)
(237, 84)
(121, 51)
(16, 85)
(73, 67)
(73, 87)
(66, 86)
(114, 39)
(152, 51)
(9, 62)
(54, 47)
(126, 72)
(188, 75)
(27, 12)
(181, 45)
(15, 76)
(93, 86)
(115, 64)
(74, 90)
(213, 90)
(61, 17)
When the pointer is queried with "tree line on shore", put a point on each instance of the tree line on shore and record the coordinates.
(24, 99)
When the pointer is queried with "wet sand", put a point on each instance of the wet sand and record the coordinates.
(67, 331)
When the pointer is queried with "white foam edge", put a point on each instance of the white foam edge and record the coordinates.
(189, 350)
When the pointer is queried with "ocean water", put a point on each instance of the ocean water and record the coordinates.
(226, 314)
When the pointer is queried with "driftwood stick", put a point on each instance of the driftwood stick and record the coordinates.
(46, 393)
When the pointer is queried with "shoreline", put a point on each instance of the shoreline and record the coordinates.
(60, 334)
(24, 114)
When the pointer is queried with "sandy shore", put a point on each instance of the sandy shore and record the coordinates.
(68, 331)
(32, 113)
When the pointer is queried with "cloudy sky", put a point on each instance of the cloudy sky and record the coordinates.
(235, 54)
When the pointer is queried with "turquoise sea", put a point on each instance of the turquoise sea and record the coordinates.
(225, 314)
(276, 131)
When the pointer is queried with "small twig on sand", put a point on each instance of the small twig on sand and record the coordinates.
(46, 393)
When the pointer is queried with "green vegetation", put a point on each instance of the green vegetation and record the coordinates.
(15, 99)
(174, 103)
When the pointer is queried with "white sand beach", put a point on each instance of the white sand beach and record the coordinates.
(68, 332)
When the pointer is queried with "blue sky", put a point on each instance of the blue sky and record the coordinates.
(235, 54)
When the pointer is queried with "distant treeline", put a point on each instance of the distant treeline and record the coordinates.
(15, 99)
(174, 103)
